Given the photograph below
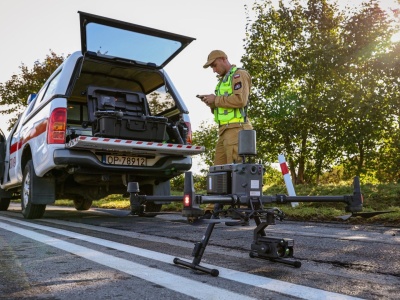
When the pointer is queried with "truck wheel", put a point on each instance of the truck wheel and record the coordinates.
(30, 210)
(81, 203)
(4, 203)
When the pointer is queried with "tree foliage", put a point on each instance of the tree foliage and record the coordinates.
(325, 90)
(207, 136)
(15, 91)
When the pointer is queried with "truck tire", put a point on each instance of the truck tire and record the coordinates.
(81, 203)
(4, 203)
(30, 210)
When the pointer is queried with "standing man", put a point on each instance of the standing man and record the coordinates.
(229, 105)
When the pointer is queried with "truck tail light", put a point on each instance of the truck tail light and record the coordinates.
(189, 133)
(57, 126)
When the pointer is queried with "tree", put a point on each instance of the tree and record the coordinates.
(206, 136)
(389, 153)
(15, 91)
(290, 52)
(364, 83)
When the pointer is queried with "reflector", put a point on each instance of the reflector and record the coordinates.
(186, 200)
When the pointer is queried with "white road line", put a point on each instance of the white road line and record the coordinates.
(147, 237)
(130, 234)
(250, 279)
(344, 235)
(173, 282)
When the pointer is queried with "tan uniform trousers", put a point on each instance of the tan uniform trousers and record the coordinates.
(226, 150)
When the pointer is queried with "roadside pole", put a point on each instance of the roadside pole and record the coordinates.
(287, 178)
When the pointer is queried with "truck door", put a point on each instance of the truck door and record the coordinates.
(12, 145)
(10, 154)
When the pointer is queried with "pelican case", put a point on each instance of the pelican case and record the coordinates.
(123, 114)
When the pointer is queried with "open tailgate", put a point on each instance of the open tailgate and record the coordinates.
(131, 146)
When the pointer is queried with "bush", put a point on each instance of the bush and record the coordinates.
(199, 181)
(272, 176)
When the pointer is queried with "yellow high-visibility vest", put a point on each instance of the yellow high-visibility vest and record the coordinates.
(223, 115)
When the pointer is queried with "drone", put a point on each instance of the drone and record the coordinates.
(236, 192)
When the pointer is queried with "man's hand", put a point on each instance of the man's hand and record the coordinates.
(207, 99)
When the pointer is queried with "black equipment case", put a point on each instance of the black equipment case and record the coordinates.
(123, 114)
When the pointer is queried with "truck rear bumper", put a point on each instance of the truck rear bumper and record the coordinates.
(87, 162)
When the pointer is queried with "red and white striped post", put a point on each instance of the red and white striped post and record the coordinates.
(287, 178)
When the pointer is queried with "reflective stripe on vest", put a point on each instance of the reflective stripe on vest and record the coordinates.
(223, 115)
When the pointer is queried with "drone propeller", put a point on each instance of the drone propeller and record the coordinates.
(364, 214)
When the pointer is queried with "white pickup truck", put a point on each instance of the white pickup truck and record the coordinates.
(108, 115)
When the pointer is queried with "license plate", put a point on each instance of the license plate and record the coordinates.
(124, 160)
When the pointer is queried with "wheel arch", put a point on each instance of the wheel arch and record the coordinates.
(43, 188)
(25, 157)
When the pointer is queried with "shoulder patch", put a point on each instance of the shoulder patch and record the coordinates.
(236, 76)
(237, 86)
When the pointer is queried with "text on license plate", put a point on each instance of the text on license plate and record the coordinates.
(124, 160)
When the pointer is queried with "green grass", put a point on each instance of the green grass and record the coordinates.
(381, 197)
(118, 202)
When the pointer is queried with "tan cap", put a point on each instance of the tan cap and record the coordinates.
(213, 56)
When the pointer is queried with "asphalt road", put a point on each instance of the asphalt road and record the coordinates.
(107, 254)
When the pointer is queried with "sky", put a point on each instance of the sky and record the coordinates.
(29, 29)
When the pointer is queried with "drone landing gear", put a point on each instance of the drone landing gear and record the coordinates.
(268, 248)
(198, 252)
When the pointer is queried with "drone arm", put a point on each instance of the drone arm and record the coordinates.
(354, 202)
